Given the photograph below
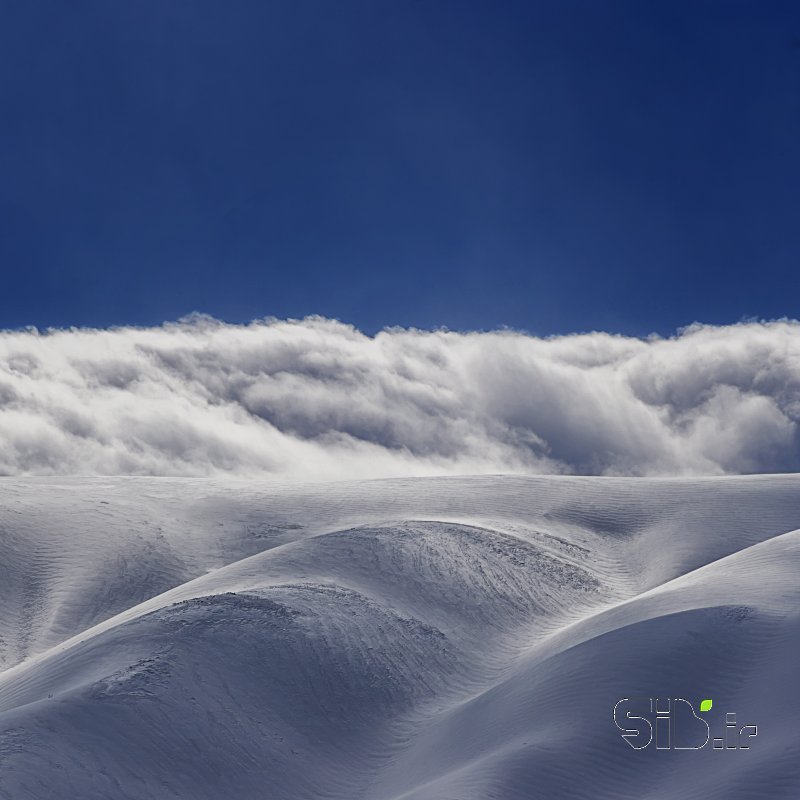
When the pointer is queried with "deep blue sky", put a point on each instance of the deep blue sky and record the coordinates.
(554, 166)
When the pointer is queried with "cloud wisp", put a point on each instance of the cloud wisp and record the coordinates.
(317, 399)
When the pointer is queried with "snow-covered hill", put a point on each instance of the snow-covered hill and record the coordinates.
(444, 638)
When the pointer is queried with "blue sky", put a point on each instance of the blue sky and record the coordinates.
(556, 166)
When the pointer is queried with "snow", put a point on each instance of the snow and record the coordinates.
(455, 638)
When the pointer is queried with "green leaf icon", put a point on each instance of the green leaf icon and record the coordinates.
(705, 705)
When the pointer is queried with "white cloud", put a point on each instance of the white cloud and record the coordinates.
(318, 399)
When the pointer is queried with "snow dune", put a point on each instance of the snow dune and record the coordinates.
(444, 638)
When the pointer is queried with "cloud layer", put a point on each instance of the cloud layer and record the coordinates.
(318, 399)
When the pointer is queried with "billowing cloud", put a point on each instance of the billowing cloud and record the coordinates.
(318, 399)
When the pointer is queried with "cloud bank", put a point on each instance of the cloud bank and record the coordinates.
(317, 399)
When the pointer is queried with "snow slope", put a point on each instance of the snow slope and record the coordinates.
(446, 638)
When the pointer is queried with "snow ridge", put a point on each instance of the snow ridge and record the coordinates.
(455, 638)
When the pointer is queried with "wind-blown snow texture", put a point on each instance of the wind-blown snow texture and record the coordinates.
(457, 638)
(317, 399)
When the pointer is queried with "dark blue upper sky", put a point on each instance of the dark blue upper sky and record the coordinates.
(554, 166)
